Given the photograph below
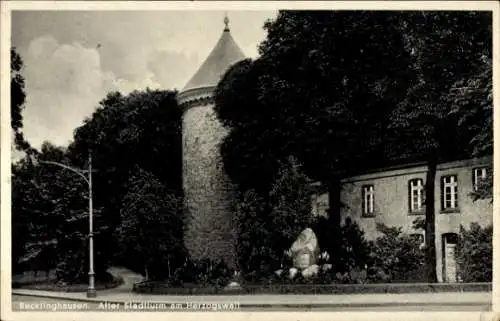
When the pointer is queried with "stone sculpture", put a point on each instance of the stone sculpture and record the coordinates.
(305, 252)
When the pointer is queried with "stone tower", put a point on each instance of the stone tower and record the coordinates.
(209, 231)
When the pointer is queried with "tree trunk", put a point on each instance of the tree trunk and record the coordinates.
(334, 216)
(430, 219)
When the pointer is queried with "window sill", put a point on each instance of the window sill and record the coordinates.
(450, 211)
(416, 213)
(372, 215)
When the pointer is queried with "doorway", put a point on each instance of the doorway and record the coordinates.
(450, 243)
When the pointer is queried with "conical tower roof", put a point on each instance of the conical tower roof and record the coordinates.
(225, 53)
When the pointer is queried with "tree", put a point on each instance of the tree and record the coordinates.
(308, 96)
(475, 253)
(18, 99)
(253, 247)
(290, 202)
(322, 90)
(471, 100)
(446, 47)
(151, 226)
(28, 204)
(50, 216)
(142, 129)
(354, 250)
(33, 208)
(251, 152)
(268, 226)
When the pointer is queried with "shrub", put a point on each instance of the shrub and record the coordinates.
(150, 232)
(254, 250)
(290, 202)
(348, 264)
(354, 250)
(268, 224)
(202, 273)
(396, 257)
(475, 253)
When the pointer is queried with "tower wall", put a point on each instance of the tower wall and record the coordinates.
(209, 231)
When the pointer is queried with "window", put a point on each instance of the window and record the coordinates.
(449, 197)
(478, 175)
(419, 238)
(368, 200)
(416, 195)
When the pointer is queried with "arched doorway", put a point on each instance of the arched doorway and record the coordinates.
(450, 243)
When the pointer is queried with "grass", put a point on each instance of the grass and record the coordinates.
(48, 282)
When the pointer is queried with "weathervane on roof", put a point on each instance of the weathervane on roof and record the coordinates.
(226, 22)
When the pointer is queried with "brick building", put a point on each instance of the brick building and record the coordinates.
(395, 197)
(392, 196)
(207, 190)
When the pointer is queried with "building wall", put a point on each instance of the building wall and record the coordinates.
(391, 204)
(468, 212)
(208, 193)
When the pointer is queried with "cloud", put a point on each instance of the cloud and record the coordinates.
(67, 75)
(172, 69)
(64, 83)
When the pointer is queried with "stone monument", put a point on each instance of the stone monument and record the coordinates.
(305, 253)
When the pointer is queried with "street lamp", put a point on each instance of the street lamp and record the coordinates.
(91, 292)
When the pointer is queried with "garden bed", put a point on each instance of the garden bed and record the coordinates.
(163, 288)
(53, 285)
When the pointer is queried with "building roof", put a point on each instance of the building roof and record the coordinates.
(225, 53)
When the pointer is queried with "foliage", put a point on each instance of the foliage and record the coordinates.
(50, 216)
(253, 247)
(484, 188)
(347, 265)
(323, 229)
(396, 257)
(308, 97)
(50, 204)
(354, 249)
(475, 253)
(334, 106)
(18, 99)
(446, 47)
(290, 201)
(268, 226)
(419, 223)
(151, 226)
(325, 89)
(125, 129)
(139, 130)
(319, 91)
(471, 100)
(202, 273)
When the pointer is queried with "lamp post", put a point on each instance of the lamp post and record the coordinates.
(91, 292)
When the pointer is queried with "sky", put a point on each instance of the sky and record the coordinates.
(73, 58)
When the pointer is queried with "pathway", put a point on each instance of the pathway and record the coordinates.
(124, 293)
